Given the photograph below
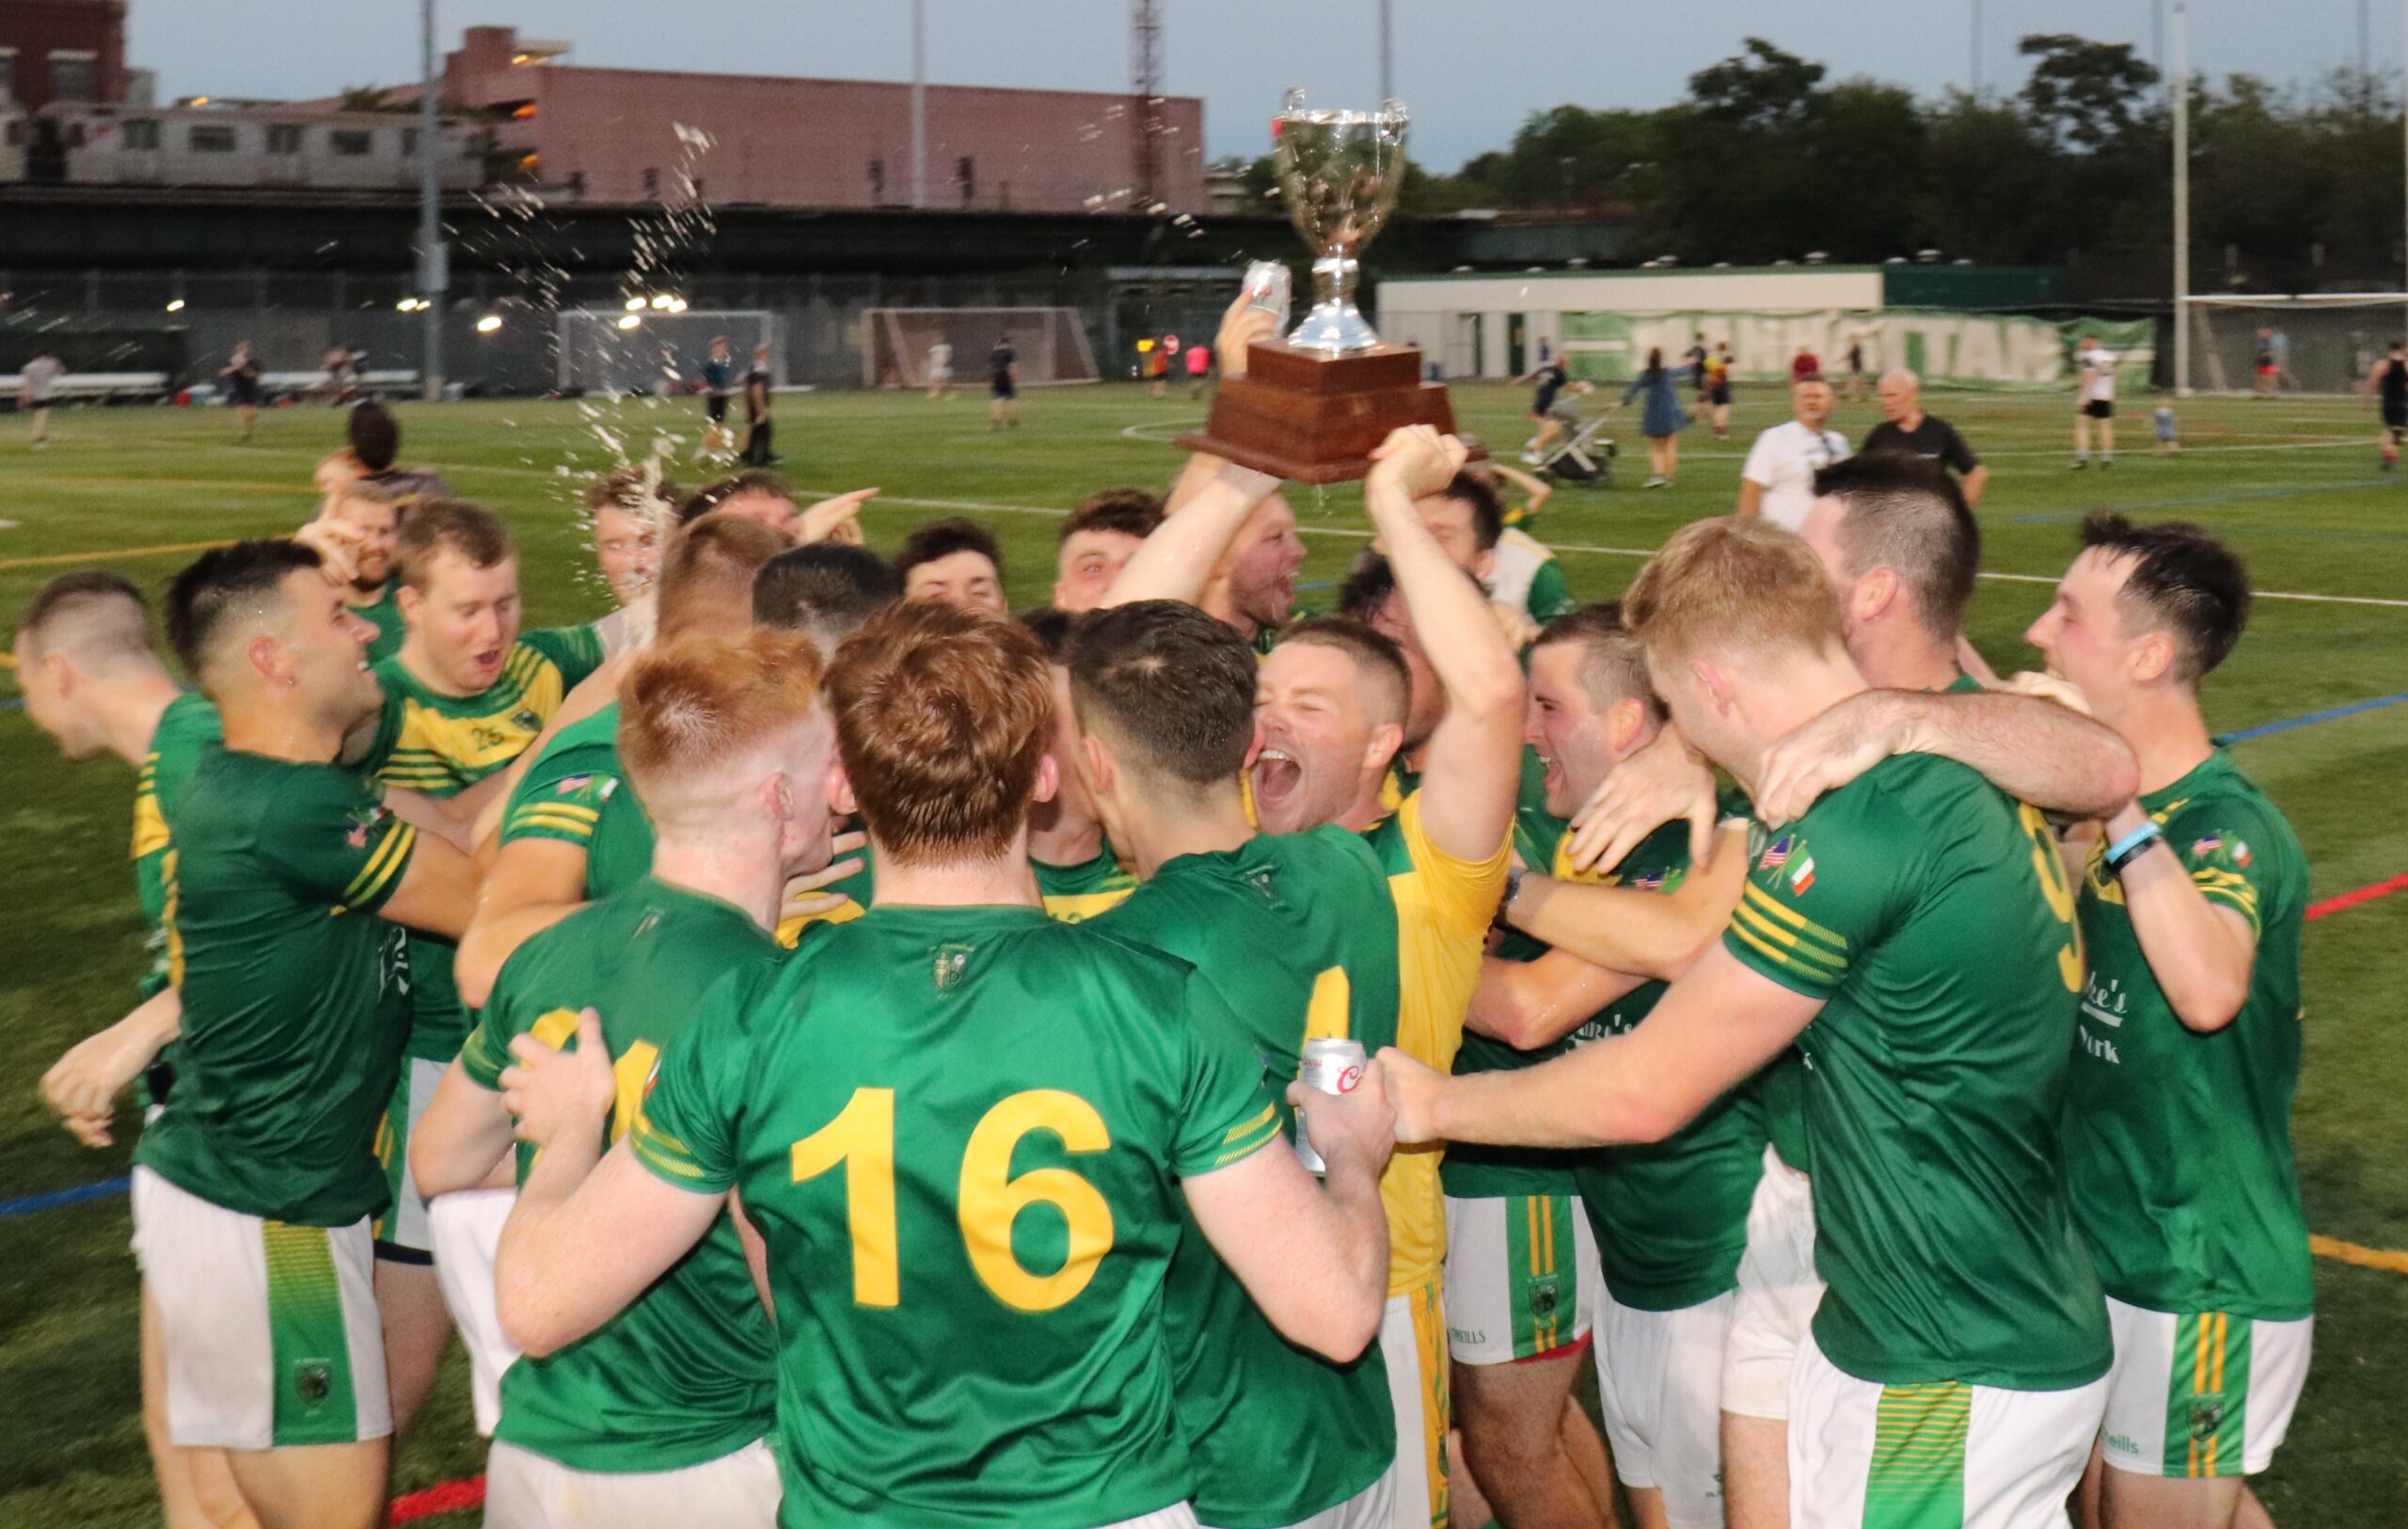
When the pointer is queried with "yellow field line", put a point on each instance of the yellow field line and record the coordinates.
(112, 554)
(2364, 1258)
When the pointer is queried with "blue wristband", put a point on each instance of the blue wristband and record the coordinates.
(2126, 850)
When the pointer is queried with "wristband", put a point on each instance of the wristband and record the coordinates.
(2131, 846)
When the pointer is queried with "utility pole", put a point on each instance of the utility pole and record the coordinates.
(919, 102)
(1977, 50)
(1145, 108)
(2180, 78)
(434, 272)
(1387, 52)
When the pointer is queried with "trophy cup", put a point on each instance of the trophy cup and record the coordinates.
(1313, 406)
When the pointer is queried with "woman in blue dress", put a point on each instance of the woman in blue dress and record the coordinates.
(1661, 419)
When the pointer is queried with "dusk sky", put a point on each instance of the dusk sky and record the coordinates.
(1470, 71)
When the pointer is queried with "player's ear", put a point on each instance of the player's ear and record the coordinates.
(1387, 739)
(1625, 721)
(1711, 681)
(1484, 566)
(1874, 593)
(1049, 778)
(270, 658)
(1099, 771)
(2152, 658)
(840, 800)
(409, 602)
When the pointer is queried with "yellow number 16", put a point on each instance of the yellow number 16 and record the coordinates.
(989, 1199)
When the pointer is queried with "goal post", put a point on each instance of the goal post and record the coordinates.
(1050, 344)
(2322, 342)
(600, 351)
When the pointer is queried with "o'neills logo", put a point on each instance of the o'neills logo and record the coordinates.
(1350, 1079)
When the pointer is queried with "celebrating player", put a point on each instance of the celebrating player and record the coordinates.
(627, 510)
(661, 1414)
(1961, 1346)
(949, 1358)
(1298, 933)
(254, 1187)
(954, 561)
(2177, 1126)
(1097, 541)
(368, 521)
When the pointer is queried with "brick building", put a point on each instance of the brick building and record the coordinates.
(628, 135)
(61, 50)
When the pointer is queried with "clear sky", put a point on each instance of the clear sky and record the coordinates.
(1470, 70)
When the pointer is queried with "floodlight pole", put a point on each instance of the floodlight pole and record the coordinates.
(2180, 76)
(434, 279)
(1977, 50)
(919, 102)
(1387, 54)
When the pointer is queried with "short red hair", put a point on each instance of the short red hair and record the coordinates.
(691, 708)
(941, 717)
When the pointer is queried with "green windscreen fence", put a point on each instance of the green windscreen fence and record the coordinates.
(1947, 349)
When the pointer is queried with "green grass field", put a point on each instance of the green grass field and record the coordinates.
(2292, 483)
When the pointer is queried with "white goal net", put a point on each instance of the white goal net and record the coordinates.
(601, 351)
(1048, 344)
(2318, 343)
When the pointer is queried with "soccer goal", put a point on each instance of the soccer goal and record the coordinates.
(2322, 342)
(1049, 343)
(650, 351)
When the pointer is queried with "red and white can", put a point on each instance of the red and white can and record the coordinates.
(1332, 1066)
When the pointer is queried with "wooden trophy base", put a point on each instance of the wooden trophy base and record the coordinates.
(1310, 417)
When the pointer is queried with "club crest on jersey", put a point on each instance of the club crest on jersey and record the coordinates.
(525, 720)
(1777, 854)
(952, 961)
(1802, 875)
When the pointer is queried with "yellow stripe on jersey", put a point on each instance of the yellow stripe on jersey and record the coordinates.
(381, 865)
(1239, 1133)
(1785, 936)
(1078, 907)
(149, 824)
(2232, 890)
(790, 931)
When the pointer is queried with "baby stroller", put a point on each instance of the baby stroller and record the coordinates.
(1583, 454)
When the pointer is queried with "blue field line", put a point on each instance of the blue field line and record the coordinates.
(27, 1204)
(2329, 714)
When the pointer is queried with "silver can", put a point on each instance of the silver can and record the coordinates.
(1267, 287)
(1333, 1067)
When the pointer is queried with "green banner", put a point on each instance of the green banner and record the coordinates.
(1948, 349)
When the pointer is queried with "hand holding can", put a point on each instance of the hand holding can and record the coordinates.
(1341, 1101)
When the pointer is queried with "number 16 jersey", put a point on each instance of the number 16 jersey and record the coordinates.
(959, 1131)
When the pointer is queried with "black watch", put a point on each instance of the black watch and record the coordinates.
(1514, 875)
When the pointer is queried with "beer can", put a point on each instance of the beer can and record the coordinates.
(1333, 1067)
(1267, 287)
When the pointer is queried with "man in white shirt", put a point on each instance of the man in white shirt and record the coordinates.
(34, 387)
(2094, 399)
(1778, 481)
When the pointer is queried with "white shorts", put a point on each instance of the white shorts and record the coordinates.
(2200, 1394)
(525, 1490)
(465, 1230)
(1947, 1453)
(1659, 1388)
(1373, 1507)
(1778, 1293)
(1522, 1277)
(269, 1328)
(1413, 1341)
(400, 1232)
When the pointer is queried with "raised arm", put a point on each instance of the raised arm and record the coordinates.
(2036, 751)
(1314, 1257)
(1714, 1029)
(1178, 561)
(1473, 764)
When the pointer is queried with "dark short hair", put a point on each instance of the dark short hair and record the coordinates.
(1379, 659)
(1132, 511)
(1906, 513)
(436, 525)
(1367, 587)
(375, 436)
(630, 489)
(112, 613)
(222, 584)
(1612, 667)
(942, 538)
(1172, 686)
(2183, 580)
(712, 495)
(826, 589)
(1487, 508)
(1051, 626)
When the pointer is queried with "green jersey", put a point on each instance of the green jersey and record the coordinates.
(577, 793)
(383, 613)
(296, 993)
(2179, 1144)
(1297, 934)
(440, 745)
(1927, 912)
(997, 1106)
(189, 726)
(1472, 1170)
(1671, 1216)
(687, 1373)
(1075, 893)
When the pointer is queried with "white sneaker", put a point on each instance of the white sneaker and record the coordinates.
(1533, 458)
(1657, 483)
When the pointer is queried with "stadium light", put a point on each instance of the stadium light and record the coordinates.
(661, 301)
(676, 305)
(631, 321)
(488, 324)
(175, 305)
(634, 304)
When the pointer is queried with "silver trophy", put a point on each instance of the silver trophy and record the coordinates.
(1340, 172)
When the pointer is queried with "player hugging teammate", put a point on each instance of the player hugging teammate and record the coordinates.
(837, 1061)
